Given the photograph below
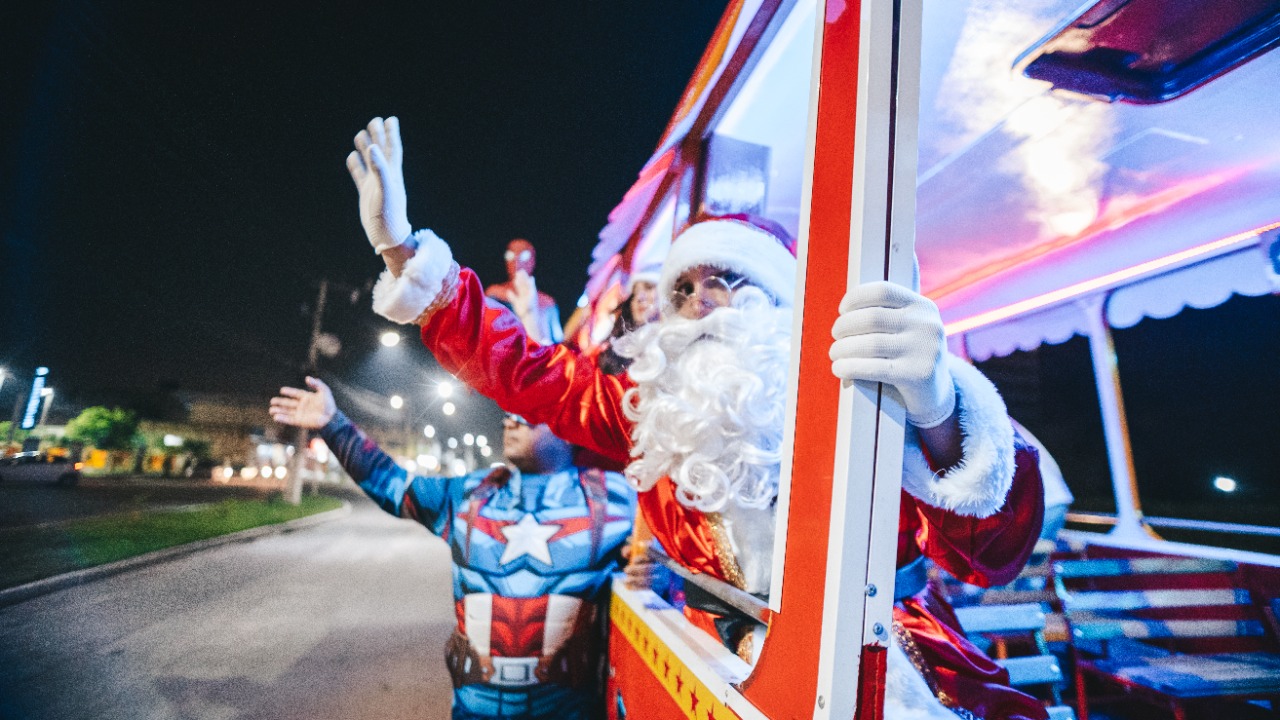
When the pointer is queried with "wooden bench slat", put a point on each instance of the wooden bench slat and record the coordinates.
(1133, 628)
(1142, 599)
(1000, 596)
(1189, 676)
(1115, 567)
(1026, 617)
(1061, 712)
(1032, 670)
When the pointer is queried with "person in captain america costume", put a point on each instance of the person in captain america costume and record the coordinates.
(700, 412)
(533, 544)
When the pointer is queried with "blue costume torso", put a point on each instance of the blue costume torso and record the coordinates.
(532, 558)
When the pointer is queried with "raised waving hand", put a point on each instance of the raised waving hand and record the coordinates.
(376, 167)
(302, 408)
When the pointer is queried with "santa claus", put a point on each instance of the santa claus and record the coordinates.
(699, 418)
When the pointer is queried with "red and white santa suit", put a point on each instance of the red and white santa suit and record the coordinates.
(979, 520)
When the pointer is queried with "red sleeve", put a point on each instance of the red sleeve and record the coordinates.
(992, 550)
(483, 344)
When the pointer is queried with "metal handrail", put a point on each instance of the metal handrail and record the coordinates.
(740, 600)
(1179, 523)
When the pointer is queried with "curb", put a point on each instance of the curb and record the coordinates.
(22, 593)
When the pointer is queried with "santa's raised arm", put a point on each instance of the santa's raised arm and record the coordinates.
(699, 415)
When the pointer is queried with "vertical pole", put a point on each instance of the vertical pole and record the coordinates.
(303, 436)
(44, 407)
(846, 443)
(17, 416)
(863, 534)
(1115, 424)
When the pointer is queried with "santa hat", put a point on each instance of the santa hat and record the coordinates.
(764, 258)
(650, 274)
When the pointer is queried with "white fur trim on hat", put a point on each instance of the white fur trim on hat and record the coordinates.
(402, 299)
(650, 275)
(735, 246)
(978, 484)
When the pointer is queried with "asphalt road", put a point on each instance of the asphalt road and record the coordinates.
(343, 620)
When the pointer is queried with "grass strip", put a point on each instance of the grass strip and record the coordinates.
(45, 552)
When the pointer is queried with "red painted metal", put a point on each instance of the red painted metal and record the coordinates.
(785, 680)
(705, 72)
(644, 696)
(871, 683)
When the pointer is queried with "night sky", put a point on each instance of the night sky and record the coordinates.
(174, 185)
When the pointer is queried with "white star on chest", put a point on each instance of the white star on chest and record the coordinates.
(528, 537)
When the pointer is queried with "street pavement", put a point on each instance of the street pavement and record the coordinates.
(346, 619)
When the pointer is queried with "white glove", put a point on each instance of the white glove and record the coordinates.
(375, 166)
(886, 333)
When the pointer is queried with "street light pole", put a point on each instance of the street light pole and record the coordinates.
(44, 407)
(303, 436)
(13, 423)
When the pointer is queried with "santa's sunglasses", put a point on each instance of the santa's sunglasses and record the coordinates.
(516, 420)
(715, 290)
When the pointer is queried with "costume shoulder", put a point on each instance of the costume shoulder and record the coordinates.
(978, 484)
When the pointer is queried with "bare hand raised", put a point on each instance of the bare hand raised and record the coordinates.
(306, 409)
(524, 294)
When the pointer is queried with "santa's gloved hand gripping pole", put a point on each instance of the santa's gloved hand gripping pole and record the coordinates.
(889, 334)
(420, 267)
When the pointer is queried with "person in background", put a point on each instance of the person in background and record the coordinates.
(639, 309)
(534, 545)
(537, 311)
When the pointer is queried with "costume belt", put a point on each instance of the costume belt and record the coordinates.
(513, 642)
(514, 672)
(910, 579)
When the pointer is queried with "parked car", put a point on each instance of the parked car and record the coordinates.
(39, 467)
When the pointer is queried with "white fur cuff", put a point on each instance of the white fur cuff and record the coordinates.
(978, 484)
(403, 299)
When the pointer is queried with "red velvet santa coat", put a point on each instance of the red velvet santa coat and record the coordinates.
(484, 345)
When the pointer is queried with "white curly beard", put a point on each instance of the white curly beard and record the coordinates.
(709, 403)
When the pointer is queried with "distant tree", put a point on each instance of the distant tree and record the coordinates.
(105, 428)
(18, 436)
(198, 449)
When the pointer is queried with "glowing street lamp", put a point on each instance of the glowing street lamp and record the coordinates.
(444, 389)
(482, 441)
(1225, 484)
(397, 402)
(429, 431)
(453, 443)
(468, 439)
(390, 338)
(449, 408)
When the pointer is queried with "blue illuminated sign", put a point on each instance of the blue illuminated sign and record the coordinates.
(33, 402)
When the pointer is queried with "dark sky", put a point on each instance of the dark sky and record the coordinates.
(173, 182)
